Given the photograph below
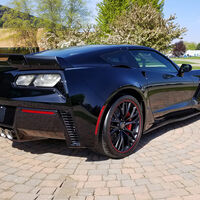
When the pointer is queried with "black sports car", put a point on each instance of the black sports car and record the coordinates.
(100, 97)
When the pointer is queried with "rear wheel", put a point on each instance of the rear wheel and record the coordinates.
(122, 127)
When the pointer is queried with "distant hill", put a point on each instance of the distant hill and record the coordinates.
(7, 44)
(2, 10)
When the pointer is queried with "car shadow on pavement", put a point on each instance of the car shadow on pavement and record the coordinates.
(59, 146)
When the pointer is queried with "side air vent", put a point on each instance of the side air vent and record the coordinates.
(70, 126)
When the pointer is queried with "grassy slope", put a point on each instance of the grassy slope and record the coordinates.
(191, 62)
(192, 58)
(185, 62)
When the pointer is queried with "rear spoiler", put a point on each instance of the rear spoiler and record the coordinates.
(32, 62)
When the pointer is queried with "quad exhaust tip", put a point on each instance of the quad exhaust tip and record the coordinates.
(2, 133)
(5, 133)
(9, 134)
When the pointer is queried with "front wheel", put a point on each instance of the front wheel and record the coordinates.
(122, 128)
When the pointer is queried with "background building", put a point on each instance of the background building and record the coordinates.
(192, 53)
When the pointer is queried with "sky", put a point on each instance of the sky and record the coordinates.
(187, 13)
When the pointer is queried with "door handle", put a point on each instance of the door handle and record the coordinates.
(168, 76)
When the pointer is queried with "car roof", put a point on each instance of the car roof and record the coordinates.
(73, 51)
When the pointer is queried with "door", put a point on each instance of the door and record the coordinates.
(167, 91)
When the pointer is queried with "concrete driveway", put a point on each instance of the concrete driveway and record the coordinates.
(165, 166)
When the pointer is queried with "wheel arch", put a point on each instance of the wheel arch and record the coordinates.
(128, 90)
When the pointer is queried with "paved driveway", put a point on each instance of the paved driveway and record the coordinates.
(165, 166)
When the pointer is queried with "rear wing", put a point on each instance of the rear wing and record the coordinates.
(31, 62)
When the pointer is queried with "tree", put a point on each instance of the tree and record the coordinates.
(62, 14)
(198, 46)
(110, 10)
(190, 45)
(143, 25)
(20, 21)
(59, 22)
(179, 49)
(76, 13)
(60, 18)
(50, 13)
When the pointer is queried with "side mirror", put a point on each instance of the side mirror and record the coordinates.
(184, 68)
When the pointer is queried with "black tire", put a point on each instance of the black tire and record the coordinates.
(122, 128)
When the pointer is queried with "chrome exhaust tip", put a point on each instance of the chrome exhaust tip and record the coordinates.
(2, 133)
(9, 134)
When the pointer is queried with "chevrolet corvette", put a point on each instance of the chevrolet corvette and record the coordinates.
(102, 97)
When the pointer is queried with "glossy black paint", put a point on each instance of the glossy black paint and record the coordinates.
(90, 83)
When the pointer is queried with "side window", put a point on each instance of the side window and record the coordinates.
(153, 61)
(122, 57)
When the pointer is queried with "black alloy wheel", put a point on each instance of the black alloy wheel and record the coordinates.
(122, 127)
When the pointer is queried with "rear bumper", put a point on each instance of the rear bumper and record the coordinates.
(25, 124)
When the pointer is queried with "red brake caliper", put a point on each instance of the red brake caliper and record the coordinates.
(129, 127)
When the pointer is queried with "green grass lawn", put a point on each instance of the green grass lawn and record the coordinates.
(196, 67)
(179, 62)
(187, 58)
(192, 58)
(183, 62)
